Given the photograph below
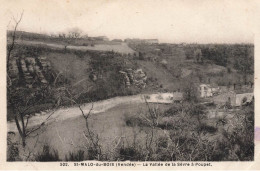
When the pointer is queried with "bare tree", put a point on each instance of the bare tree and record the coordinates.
(11, 47)
(89, 134)
(12, 44)
(21, 100)
(151, 118)
(74, 33)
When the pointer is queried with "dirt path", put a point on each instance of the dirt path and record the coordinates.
(98, 107)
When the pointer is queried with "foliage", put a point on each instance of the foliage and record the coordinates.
(134, 121)
(129, 153)
(190, 89)
(218, 54)
(47, 155)
(206, 128)
(189, 135)
(173, 110)
(12, 151)
(78, 156)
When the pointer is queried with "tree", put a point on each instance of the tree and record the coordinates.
(245, 63)
(190, 90)
(21, 99)
(74, 33)
(94, 146)
(69, 36)
(198, 55)
(62, 35)
(12, 45)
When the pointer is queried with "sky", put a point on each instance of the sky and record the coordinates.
(175, 21)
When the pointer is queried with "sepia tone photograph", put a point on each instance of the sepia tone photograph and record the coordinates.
(105, 82)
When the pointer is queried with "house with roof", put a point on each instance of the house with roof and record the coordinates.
(236, 97)
(207, 90)
(244, 98)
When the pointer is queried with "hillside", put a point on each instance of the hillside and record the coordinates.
(99, 72)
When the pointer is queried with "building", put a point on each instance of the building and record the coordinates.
(242, 99)
(225, 97)
(104, 38)
(207, 90)
(101, 38)
(139, 41)
(151, 41)
(117, 40)
(233, 98)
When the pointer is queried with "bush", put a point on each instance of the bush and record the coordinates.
(166, 123)
(216, 151)
(47, 155)
(12, 151)
(92, 153)
(206, 128)
(78, 156)
(162, 142)
(130, 153)
(133, 121)
(174, 110)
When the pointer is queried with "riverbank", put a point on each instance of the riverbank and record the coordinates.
(98, 107)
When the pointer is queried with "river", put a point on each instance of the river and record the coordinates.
(98, 107)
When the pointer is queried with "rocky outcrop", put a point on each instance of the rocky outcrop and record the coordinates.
(134, 77)
(44, 63)
(29, 70)
(126, 78)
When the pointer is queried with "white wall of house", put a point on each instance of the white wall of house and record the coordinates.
(246, 97)
(205, 91)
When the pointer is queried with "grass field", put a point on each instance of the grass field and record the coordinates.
(119, 48)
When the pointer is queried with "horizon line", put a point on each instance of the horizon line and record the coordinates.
(160, 42)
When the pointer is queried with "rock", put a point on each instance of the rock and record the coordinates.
(137, 77)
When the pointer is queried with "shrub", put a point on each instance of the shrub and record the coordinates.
(206, 128)
(174, 110)
(92, 153)
(134, 121)
(12, 151)
(78, 156)
(47, 155)
(166, 123)
(130, 153)
(162, 142)
(147, 97)
(221, 121)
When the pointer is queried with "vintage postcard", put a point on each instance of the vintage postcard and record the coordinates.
(109, 84)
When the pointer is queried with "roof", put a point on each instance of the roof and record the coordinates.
(209, 85)
(204, 85)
